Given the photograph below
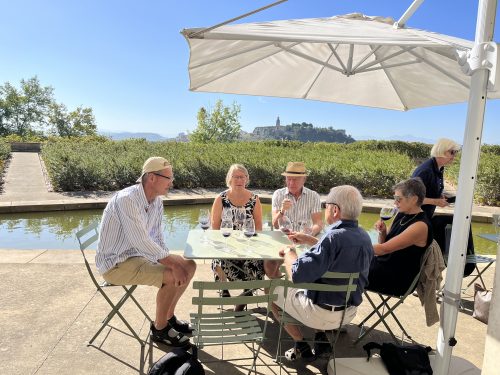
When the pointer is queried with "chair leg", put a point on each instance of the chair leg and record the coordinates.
(479, 276)
(381, 318)
(138, 305)
(115, 311)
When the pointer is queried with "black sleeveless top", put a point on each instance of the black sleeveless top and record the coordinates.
(393, 273)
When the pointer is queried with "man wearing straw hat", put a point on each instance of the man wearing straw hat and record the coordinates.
(296, 203)
(131, 249)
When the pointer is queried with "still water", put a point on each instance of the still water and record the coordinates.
(56, 230)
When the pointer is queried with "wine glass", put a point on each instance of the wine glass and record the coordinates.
(387, 212)
(204, 220)
(226, 228)
(305, 226)
(249, 230)
(240, 214)
(227, 214)
(285, 224)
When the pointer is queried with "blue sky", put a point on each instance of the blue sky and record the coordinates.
(127, 60)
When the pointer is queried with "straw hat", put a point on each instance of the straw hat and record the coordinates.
(154, 164)
(295, 168)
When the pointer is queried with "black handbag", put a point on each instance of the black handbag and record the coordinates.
(402, 360)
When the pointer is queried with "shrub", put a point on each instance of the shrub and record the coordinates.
(372, 166)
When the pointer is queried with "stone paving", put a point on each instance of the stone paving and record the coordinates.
(49, 310)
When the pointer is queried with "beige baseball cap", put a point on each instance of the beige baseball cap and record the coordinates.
(154, 164)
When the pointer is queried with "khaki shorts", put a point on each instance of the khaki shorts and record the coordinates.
(136, 271)
(301, 308)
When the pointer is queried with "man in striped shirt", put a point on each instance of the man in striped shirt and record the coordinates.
(131, 249)
(296, 203)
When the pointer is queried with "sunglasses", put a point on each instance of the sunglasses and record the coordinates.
(398, 198)
(453, 152)
(168, 178)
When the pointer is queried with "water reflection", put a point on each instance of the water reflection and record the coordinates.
(56, 230)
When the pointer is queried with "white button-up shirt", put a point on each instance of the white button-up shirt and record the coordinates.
(130, 227)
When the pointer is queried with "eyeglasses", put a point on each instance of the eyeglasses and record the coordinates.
(333, 204)
(239, 177)
(453, 152)
(398, 198)
(167, 177)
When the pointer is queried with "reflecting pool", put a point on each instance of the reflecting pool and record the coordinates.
(56, 230)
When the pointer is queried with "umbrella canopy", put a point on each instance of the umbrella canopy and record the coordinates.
(350, 59)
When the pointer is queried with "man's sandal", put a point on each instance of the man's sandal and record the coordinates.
(169, 336)
(181, 326)
(304, 352)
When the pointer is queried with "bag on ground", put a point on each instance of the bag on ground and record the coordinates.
(482, 301)
(402, 360)
(178, 362)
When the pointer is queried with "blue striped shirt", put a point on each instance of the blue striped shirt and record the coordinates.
(130, 227)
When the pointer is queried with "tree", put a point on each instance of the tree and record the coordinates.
(31, 109)
(77, 123)
(220, 124)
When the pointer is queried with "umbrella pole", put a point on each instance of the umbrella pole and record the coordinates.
(466, 181)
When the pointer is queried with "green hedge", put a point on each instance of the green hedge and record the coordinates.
(4, 155)
(110, 165)
(372, 166)
(487, 190)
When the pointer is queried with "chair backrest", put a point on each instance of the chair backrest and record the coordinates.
(348, 287)
(230, 326)
(86, 237)
(209, 300)
(469, 267)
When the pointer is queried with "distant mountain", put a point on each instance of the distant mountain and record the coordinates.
(152, 137)
(405, 138)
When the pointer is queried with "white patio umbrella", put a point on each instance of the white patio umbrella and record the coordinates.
(351, 59)
(360, 60)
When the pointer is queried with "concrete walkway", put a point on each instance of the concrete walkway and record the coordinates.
(25, 190)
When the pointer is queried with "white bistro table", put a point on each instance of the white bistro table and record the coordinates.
(265, 245)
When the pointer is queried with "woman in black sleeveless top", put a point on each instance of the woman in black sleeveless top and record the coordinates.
(399, 252)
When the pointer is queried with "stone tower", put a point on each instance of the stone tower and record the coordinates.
(278, 123)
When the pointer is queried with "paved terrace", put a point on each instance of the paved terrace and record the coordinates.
(49, 308)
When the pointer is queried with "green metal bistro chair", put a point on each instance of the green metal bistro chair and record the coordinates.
(471, 258)
(345, 283)
(215, 326)
(86, 237)
(385, 309)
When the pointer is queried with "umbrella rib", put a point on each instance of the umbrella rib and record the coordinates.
(398, 94)
(336, 55)
(441, 70)
(377, 61)
(238, 68)
(349, 61)
(317, 61)
(367, 56)
(391, 65)
(224, 57)
(316, 78)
